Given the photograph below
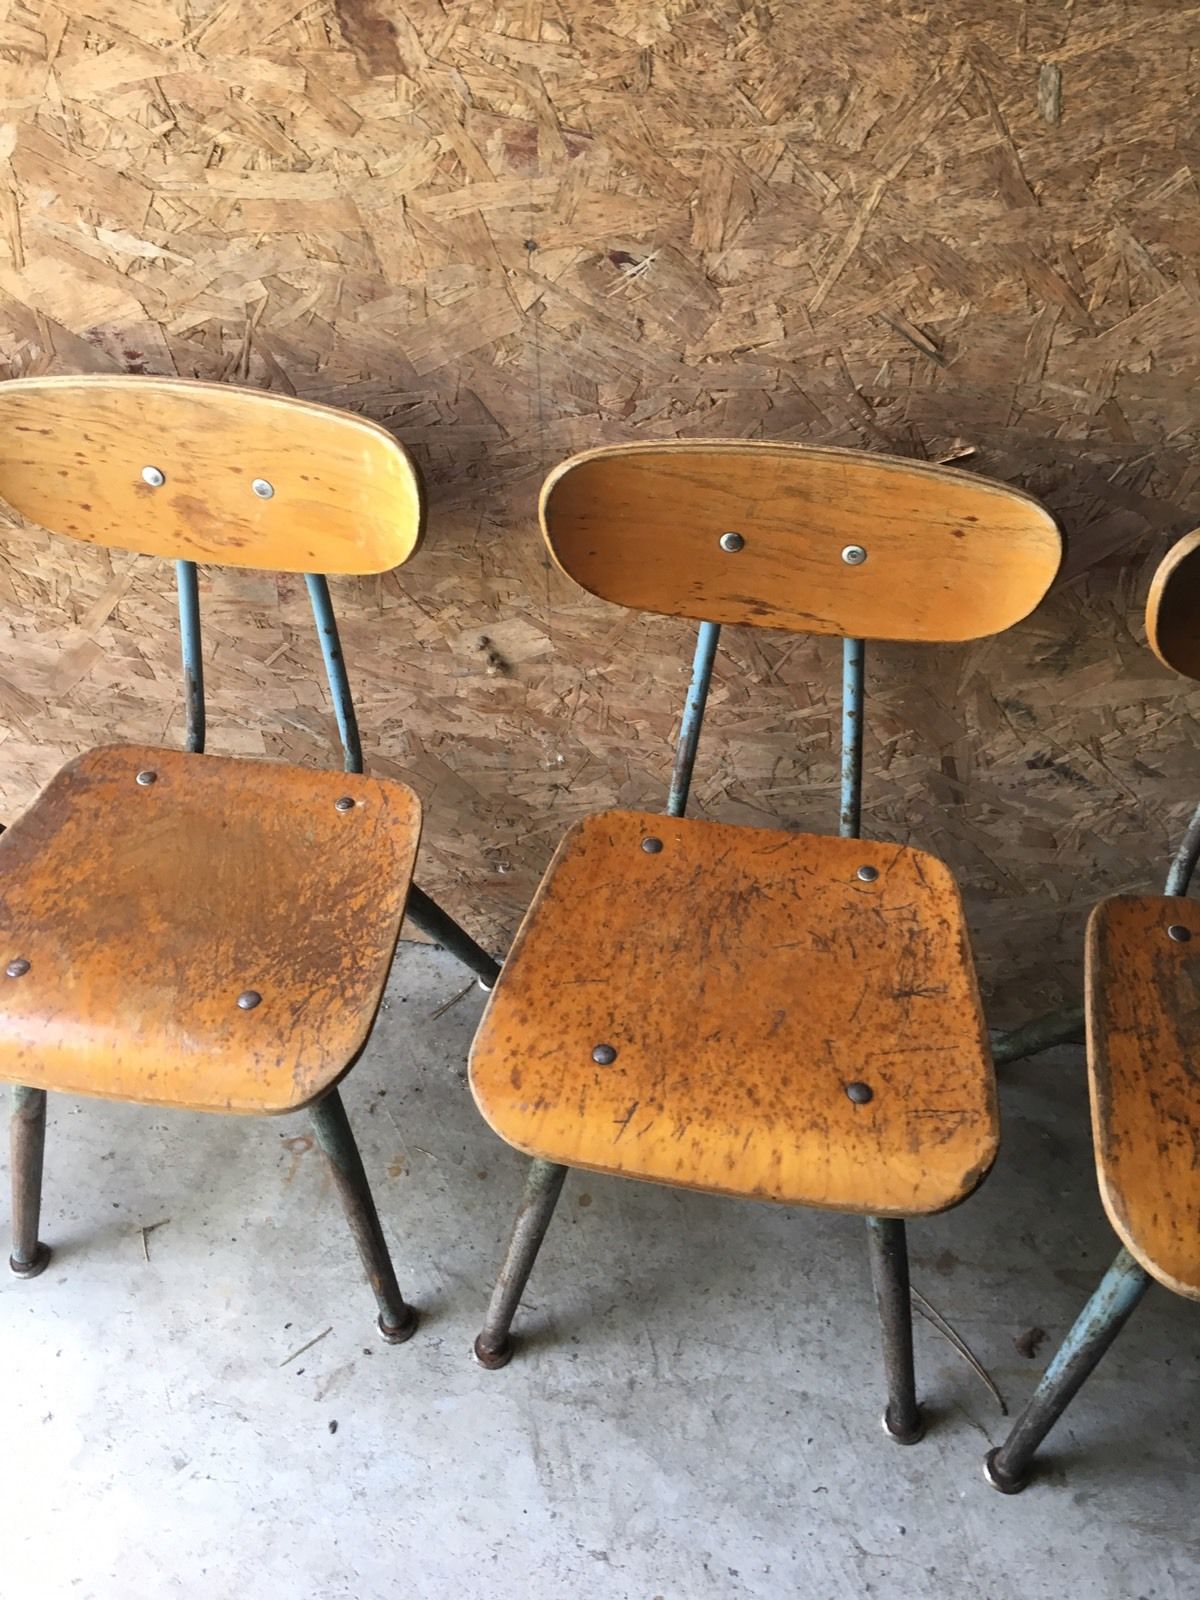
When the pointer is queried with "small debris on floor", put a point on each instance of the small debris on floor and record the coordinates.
(150, 1228)
(453, 1001)
(315, 1340)
(1030, 1342)
(935, 1317)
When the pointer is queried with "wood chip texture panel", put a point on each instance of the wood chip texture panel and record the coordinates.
(512, 231)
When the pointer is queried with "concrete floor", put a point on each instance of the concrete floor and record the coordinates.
(202, 1408)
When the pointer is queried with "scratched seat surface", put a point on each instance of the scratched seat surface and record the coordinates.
(1143, 1018)
(742, 980)
(145, 909)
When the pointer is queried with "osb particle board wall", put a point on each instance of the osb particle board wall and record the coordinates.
(964, 232)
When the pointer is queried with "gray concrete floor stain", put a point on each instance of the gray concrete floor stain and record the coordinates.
(197, 1403)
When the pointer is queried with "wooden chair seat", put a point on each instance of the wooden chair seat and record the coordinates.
(1143, 1019)
(152, 910)
(738, 1010)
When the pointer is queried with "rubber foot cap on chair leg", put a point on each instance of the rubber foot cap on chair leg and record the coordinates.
(1000, 1480)
(399, 1332)
(912, 1435)
(30, 1269)
(493, 1358)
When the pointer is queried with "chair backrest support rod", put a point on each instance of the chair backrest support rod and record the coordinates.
(1184, 864)
(854, 654)
(193, 660)
(335, 670)
(693, 717)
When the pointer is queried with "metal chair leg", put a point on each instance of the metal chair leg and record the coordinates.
(1097, 1325)
(397, 1319)
(29, 1255)
(441, 927)
(1036, 1035)
(888, 1244)
(493, 1347)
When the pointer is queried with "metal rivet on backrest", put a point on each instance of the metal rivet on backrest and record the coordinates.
(860, 1093)
(604, 1055)
(854, 555)
(17, 968)
(154, 476)
(146, 778)
(732, 542)
(344, 804)
(262, 488)
(867, 874)
(1179, 933)
(248, 999)
(651, 846)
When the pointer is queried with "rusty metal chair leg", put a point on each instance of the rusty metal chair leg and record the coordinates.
(888, 1243)
(441, 927)
(1098, 1324)
(397, 1319)
(493, 1347)
(29, 1256)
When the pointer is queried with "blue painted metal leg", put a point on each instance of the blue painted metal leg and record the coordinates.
(1184, 864)
(1097, 1325)
(854, 655)
(193, 660)
(693, 717)
(437, 924)
(888, 1241)
(887, 1237)
(29, 1256)
(335, 670)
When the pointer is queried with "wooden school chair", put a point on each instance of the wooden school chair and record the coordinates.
(745, 1011)
(1142, 1003)
(182, 929)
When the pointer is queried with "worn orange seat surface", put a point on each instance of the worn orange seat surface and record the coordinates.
(741, 981)
(1143, 1018)
(144, 910)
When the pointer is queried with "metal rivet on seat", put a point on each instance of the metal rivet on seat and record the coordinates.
(344, 804)
(854, 555)
(604, 1055)
(17, 968)
(262, 488)
(146, 778)
(248, 999)
(651, 846)
(154, 476)
(1179, 933)
(867, 874)
(732, 542)
(860, 1093)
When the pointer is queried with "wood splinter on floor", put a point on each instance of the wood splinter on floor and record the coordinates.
(934, 1316)
(315, 1340)
(151, 1227)
(453, 1001)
